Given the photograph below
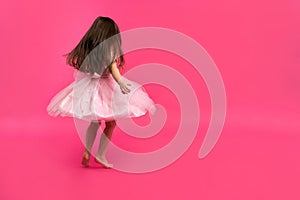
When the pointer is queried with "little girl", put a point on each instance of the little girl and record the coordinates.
(94, 95)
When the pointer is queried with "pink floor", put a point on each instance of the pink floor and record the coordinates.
(250, 161)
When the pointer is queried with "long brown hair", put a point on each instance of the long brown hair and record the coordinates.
(99, 47)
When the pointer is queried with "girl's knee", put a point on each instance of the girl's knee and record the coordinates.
(110, 123)
(95, 123)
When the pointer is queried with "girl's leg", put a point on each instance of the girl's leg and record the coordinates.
(104, 142)
(109, 128)
(90, 136)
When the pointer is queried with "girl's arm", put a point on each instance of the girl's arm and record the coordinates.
(118, 78)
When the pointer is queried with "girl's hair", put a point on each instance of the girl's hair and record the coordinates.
(99, 47)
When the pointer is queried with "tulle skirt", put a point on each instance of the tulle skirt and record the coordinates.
(100, 98)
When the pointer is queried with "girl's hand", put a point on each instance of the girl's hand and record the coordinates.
(117, 76)
(124, 86)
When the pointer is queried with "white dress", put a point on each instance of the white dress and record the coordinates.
(95, 97)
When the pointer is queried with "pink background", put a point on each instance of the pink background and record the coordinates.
(255, 45)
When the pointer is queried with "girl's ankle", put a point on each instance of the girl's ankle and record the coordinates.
(86, 152)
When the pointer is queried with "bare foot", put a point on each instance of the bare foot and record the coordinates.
(103, 161)
(85, 159)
